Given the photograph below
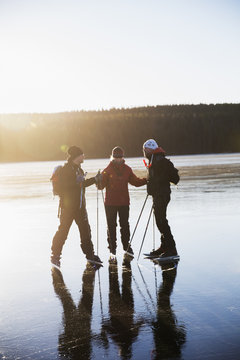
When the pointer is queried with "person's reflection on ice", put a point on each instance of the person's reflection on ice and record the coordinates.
(120, 325)
(75, 341)
(169, 336)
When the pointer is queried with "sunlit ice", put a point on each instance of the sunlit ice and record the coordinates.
(9, 233)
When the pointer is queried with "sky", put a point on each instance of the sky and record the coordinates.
(68, 55)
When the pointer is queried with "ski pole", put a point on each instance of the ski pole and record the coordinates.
(106, 215)
(81, 193)
(100, 294)
(143, 297)
(105, 212)
(97, 221)
(153, 232)
(103, 202)
(145, 231)
(148, 292)
(137, 223)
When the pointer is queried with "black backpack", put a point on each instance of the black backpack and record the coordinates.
(55, 179)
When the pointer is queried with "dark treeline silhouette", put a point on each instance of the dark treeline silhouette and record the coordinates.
(180, 129)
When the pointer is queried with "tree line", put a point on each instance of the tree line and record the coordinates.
(179, 129)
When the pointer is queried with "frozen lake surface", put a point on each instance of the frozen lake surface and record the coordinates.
(136, 312)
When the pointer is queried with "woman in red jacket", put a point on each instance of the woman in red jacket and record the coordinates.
(115, 178)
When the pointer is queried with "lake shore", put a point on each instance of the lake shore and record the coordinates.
(199, 171)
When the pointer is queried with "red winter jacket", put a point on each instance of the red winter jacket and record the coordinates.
(116, 178)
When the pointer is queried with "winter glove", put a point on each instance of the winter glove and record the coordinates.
(150, 187)
(98, 178)
(80, 179)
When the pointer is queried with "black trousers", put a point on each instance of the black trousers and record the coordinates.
(66, 219)
(160, 203)
(123, 213)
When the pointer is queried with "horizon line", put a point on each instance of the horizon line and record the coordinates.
(118, 108)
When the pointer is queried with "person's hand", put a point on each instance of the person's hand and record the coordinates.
(80, 179)
(98, 178)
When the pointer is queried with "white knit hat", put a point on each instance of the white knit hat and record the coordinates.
(150, 144)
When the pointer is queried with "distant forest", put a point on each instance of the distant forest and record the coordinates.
(179, 129)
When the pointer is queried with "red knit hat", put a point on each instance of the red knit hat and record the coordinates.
(117, 152)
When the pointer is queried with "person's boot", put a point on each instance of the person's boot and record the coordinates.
(55, 260)
(157, 252)
(129, 251)
(94, 258)
(127, 261)
(97, 259)
(169, 254)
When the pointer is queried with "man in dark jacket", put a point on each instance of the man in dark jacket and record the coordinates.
(72, 205)
(161, 173)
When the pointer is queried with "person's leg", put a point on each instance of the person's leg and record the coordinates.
(81, 219)
(123, 212)
(66, 219)
(160, 204)
(111, 213)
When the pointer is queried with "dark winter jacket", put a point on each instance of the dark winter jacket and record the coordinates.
(161, 173)
(72, 186)
(116, 178)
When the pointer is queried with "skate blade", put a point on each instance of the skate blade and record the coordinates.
(167, 259)
(129, 254)
(95, 262)
(54, 266)
(148, 256)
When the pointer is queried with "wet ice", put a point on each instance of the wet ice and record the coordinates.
(136, 312)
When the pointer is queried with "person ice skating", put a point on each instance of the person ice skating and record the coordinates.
(72, 204)
(161, 172)
(115, 178)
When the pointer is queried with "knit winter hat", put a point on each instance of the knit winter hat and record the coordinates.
(150, 144)
(74, 152)
(117, 152)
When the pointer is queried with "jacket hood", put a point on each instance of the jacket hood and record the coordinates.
(159, 150)
(117, 164)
